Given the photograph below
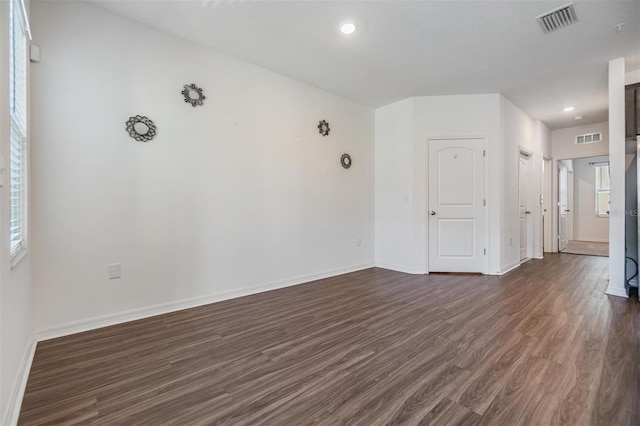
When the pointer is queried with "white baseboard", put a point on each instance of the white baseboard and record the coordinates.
(591, 240)
(178, 305)
(15, 401)
(507, 269)
(616, 291)
(397, 268)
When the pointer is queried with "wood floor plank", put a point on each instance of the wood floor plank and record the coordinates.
(541, 345)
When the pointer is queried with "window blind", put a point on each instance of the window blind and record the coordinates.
(18, 131)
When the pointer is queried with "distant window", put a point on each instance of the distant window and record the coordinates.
(18, 128)
(588, 138)
(602, 190)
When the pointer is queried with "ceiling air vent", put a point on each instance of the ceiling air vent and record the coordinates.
(588, 138)
(557, 18)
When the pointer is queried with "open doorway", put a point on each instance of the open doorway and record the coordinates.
(583, 206)
(547, 205)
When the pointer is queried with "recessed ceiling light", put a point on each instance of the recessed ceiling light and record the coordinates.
(578, 117)
(348, 28)
(567, 109)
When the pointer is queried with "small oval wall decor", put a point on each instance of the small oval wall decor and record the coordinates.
(323, 127)
(345, 160)
(141, 128)
(193, 95)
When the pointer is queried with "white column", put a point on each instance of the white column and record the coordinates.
(617, 170)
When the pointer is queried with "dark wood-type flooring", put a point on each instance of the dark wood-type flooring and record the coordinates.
(540, 345)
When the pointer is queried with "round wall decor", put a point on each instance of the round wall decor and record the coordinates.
(345, 160)
(193, 95)
(323, 127)
(141, 128)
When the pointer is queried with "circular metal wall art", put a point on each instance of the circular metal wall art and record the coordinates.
(323, 127)
(193, 95)
(141, 128)
(345, 160)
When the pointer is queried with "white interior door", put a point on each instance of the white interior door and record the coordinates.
(569, 210)
(524, 178)
(563, 207)
(456, 205)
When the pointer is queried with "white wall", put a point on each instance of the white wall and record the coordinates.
(457, 116)
(563, 142)
(520, 132)
(397, 195)
(16, 312)
(506, 129)
(394, 187)
(586, 226)
(543, 134)
(237, 196)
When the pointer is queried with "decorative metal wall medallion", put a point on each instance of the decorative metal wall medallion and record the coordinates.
(193, 95)
(323, 127)
(141, 128)
(345, 160)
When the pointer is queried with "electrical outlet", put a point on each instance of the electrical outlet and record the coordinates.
(359, 242)
(113, 270)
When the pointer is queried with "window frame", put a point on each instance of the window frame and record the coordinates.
(598, 188)
(19, 38)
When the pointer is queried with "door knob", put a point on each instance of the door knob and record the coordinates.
(527, 212)
(567, 210)
(432, 213)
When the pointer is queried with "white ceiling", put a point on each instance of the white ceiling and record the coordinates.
(413, 48)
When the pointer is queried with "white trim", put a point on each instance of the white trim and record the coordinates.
(164, 308)
(620, 292)
(399, 268)
(15, 400)
(592, 240)
(525, 151)
(506, 270)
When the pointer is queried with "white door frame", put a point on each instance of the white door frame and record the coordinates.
(487, 241)
(528, 154)
(547, 198)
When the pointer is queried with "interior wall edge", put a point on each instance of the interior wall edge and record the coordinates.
(506, 269)
(15, 402)
(93, 323)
